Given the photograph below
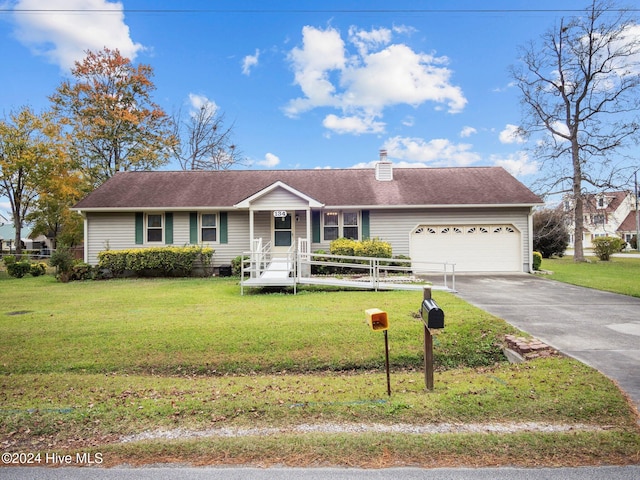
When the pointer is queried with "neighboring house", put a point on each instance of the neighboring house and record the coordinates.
(610, 214)
(8, 235)
(478, 218)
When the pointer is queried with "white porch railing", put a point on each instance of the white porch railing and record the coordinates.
(297, 266)
(375, 272)
(257, 259)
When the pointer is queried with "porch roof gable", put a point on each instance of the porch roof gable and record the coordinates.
(247, 202)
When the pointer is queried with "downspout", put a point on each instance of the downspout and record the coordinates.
(251, 229)
(309, 233)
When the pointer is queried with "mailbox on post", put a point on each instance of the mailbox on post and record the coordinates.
(432, 317)
(378, 321)
(432, 314)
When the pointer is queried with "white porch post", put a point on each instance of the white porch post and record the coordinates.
(251, 229)
(309, 228)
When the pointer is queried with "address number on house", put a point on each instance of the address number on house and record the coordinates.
(279, 213)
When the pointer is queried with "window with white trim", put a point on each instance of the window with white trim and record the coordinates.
(350, 225)
(331, 225)
(341, 225)
(155, 223)
(208, 227)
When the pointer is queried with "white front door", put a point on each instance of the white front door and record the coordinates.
(283, 233)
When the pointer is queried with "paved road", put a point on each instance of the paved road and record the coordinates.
(598, 328)
(169, 473)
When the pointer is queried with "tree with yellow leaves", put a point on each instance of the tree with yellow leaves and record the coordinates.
(32, 159)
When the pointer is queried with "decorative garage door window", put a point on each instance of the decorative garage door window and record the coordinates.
(457, 230)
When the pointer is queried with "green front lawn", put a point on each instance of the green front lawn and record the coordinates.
(84, 364)
(619, 275)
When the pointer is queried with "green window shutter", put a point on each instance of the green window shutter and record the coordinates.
(315, 227)
(224, 228)
(193, 228)
(139, 228)
(366, 233)
(168, 228)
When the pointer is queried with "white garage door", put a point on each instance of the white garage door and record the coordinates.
(473, 248)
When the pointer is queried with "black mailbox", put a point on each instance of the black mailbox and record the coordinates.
(432, 315)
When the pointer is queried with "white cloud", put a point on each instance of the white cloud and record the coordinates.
(510, 134)
(504, 88)
(437, 152)
(197, 102)
(322, 52)
(467, 132)
(398, 75)
(353, 124)
(64, 37)
(366, 40)
(249, 62)
(409, 121)
(270, 161)
(404, 29)
(363, 84)
(562, 129)
(517, 164)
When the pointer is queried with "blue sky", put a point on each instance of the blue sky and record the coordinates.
(307, 84)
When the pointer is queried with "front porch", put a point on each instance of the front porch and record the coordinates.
(262, 267)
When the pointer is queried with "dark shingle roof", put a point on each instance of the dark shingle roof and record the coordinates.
(629, 223)
(332, 187)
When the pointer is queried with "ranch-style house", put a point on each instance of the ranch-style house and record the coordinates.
(476, 217)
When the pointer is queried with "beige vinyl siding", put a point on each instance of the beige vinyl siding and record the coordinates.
(238, 236)
(180, 229)
(279, 199)
(262, 226)
(300, 225)
(114, 231)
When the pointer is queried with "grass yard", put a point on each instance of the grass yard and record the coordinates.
(619, 275)
(137, 370)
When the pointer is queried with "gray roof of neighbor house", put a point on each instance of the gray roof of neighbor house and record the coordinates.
(410, 187)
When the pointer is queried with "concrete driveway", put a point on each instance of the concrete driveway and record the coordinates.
(598, 328)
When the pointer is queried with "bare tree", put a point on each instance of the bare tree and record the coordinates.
(205, 143)
(579, 87)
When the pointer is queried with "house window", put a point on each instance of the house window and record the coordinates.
(350, 225)
(598, 219)
(154, 228)
(341, 224)
(331, 225)
(601, 203)
(208, 227)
